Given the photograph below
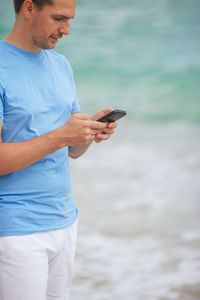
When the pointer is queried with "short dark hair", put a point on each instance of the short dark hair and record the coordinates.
(39, 3)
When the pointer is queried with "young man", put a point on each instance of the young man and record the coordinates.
(40, 126)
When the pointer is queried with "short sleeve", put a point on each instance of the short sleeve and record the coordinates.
(69, 73)
(1, 104)
(75, 104)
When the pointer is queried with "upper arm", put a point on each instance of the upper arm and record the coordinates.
(0, 131)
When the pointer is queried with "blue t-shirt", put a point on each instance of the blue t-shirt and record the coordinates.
(37, 95)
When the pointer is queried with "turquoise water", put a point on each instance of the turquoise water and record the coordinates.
(143, 56)
(138, 193)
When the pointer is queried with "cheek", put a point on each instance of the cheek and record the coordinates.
(37, 28)
(43, 28)
(50, 26)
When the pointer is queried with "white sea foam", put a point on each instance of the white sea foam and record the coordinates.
(138, 196)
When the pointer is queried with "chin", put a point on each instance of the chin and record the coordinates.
(50, 46)
(46, 46)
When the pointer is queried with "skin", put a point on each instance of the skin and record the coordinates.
(34, 30)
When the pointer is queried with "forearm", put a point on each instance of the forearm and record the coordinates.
(78, 130)
(19, 155)
(77, 151)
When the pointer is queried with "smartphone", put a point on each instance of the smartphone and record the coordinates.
(112, 116)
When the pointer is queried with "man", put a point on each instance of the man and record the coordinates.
(40, 126)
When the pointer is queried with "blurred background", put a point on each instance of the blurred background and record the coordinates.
(138, 193)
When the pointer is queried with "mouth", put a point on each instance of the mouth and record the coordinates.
(54, 38)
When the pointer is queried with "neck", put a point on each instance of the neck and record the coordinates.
(20, 36)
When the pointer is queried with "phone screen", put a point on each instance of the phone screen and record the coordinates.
(113, 116)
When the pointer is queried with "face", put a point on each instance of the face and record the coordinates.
(51, 23)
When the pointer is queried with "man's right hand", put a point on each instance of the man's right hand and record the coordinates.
(81, 130)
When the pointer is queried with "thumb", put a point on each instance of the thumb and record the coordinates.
(82, 116)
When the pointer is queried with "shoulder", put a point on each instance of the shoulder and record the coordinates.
(5, 56)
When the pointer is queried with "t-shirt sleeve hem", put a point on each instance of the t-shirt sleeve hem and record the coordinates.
(75, 109)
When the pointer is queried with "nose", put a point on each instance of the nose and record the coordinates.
(65, 28)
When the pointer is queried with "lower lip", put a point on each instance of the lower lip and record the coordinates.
(54, 39)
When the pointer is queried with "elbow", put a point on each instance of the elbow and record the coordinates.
(4, 172)
(72, 153)
(73, 156)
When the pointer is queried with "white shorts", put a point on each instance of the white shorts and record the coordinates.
(38, 266)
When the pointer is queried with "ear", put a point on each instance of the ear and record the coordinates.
(29, 9)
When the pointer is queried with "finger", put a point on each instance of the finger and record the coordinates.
(112, 125)
(94, 131)
(100, 113)
(101, 136)
(107, 131)
(91, 138)
(97, 125)
(82, 116)
(97, 140)
(107, 110)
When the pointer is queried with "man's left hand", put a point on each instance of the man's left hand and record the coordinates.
(107, 132)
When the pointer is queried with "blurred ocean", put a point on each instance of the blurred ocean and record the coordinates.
(138, 193)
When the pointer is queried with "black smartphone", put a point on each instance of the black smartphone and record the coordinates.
(112, 116)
